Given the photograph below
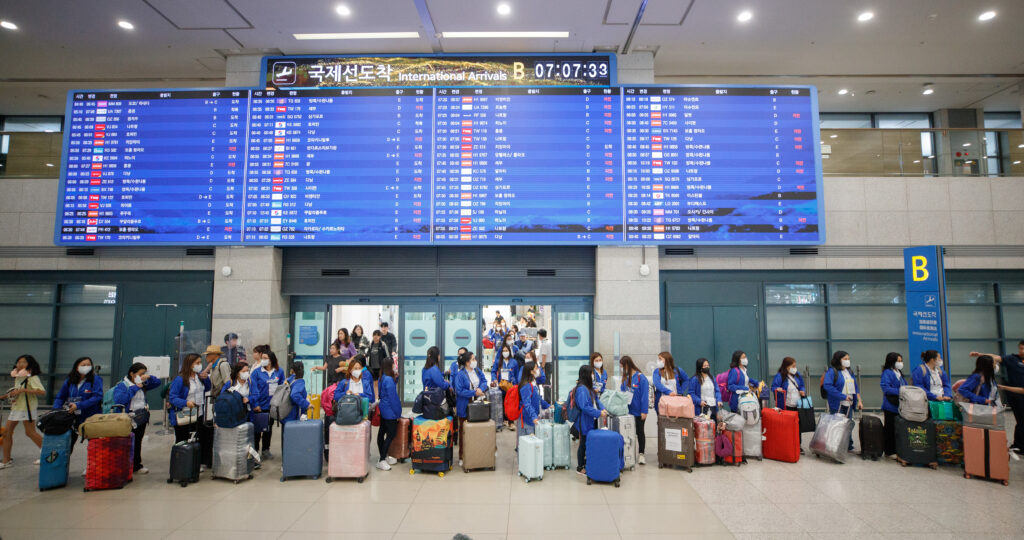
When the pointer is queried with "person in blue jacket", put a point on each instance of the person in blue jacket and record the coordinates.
(390, 411)
(264, 382)
(738, 380)
(531, 403)
(505, 368)
(82, 392)
(187, 396)
(979, 387)
(455, 366)
(359, 382)
(298, 395)
(788, 386)
(600, 374)
(542, 378)
(239, 383)
(668, 379)
(431, 377)
(589, 408)
(469, 383)
(892, 380)
(130, 396)
(635, 381)
(930, 376)
(842, 388)
(703, 390)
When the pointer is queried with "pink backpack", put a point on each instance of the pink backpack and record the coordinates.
(722, 380)
(327, 399)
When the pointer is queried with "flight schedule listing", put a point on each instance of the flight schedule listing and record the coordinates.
(527, 165)
(153, 167)
(720, 165)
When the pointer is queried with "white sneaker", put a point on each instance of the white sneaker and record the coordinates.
(460, 463)
(7, 465)
(142, 471)
(36, 462)
(383, 465)
(641, 460)
(391, 460)
(83, 474)
(202, 468)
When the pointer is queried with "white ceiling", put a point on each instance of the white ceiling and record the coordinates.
(65, 44)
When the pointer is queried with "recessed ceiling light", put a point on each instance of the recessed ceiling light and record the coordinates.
(987, 16)
(833, 136)
(966, 144)
(126, 25)
(843, 91)
(744, 16)
(8, 25)
(343, 10)
(1016, 162)
(928, 91)
(1020, 146)
(49, 164)
(504, 9)
(527, 34)
(917, 161)
(866, 16)
(360, 35)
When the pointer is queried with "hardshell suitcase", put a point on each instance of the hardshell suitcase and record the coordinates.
(605, 458)
(949, 442)
(832, 437)
(625, 425)
(753, 439)
(986, 454)
(54, 458)
(915, 443)
(350, 451)
(561, 455)
(496, 398)
(560, 412)
(302, 449)
(545, 432)
(399, 448)
(108, 462)
(480, 444)
(781, 435)
(675, 443)
(872, 437)
(531, 458)
(703, 441)
(231, 458)
(736, 439)
(431, 446)
(478, 411)
(185, 458)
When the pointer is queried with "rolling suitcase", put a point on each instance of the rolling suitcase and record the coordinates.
(675, 443)
(399, 448)
(54, 458)
(986, 454)
(478, 411)
(350, 452)
(496, 398)
(625, 425)
(915, 443)
(531, 458)
(185, 458)
(832, 437)
(872, 437)
(302, 449)
(753, 439)
(561, 455)
(108, 462)
(735, 439)
(480, 444)
(949, 442)
(545, 432)
(605, 458)
(703, 441)
(431, 447)
(781, 435)
(231, 458)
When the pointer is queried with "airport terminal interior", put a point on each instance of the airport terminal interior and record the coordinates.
(496, 269)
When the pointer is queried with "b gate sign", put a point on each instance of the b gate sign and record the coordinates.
(925, 283)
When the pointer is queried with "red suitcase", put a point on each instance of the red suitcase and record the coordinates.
(781, 435)
(108, 463)
(736, 437)
(986, 454)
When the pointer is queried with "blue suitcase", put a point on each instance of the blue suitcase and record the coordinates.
(605, 458)
(302, 449)
(54, 458)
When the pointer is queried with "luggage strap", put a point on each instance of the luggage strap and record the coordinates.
(988, 472)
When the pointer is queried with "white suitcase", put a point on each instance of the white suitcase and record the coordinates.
(545, 433)
(531, 457)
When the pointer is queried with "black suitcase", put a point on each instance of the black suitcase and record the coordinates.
(872, 438)
(478, 411)
(185, 457)
(915, 443)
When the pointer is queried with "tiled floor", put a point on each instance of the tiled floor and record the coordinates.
(810, 499)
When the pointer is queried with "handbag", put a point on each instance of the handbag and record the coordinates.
(982, 416)
(805, 412)
(260, 422)
(185, 417)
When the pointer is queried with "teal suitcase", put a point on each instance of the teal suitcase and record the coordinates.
(544, 433)
(561, 453)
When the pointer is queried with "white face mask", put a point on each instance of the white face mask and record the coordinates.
(661, 364)
(505, 354)
(84, 370)
(244, 375)
(264, 363)
(598, 364)
(792, 371)
(743, 361)
(535, 375)
(138, 379)
(472, 365)
(356, 375)
(938, 363)
(846, 362)
(196, 368)
(898, 366)
(995, 369)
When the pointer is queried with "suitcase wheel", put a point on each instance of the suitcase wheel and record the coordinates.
(250, 477)
(329, 480)
(588, 481)
(184, 484)
(316, 477)
(170, 480)
(360, 480)
(440, 474)
(412, 472)
(1006, 482)
(934, 466)
(966, 475)
(282, 479)
(616, 483)
(528, 481)
(237, 481)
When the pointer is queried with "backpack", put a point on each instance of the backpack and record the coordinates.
(513, 409)
(749, 408)
(326, 399)
(913, 403)
(56, 422)
(431, 403)
(108, 399)
(229, 410)
(821, 383)
(573, 413)
(219, 375)
(348, 410)
(722, 380)
(281, 402)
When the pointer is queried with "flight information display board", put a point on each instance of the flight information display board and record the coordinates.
(442, 166)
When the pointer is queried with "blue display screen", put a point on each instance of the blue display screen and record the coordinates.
(442, 166)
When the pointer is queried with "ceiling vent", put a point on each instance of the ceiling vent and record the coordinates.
(540, 272)
(803, 251)
(335, 272)
(199, 252)
(79, 252)
(679, 251)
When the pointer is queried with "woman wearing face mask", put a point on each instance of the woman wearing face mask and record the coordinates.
(788, 386)
(431, 377)
(933, 378)
(980, 387)
(359, 382)
(634, 380)
(841, 387)
(186, 395)
(669, 380)
(506, 369)
(239, 382)
(590, 408)
(359, 339)
(265, 379)
(455, 366)
(24, 399)
(600, 375)
(130, 397)
(390, 411)
(82, 392)
(469, 383)
(738, 380)
(703, 390)
(892, 380)
(531, 403)
(298, 395)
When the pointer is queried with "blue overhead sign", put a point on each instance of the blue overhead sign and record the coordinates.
(925, 284)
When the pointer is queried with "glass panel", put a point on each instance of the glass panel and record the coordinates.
(308, 342)
(960, 364)
(795, 322)
(845, 120)
(25, 293)
(86, 322)
(418, 335)
(1011, 293)
(12, 349)
(26, 322)
(572, 348)
(798, 293)
(870, 355)
(903, 121)
(1002, 120)
(46, 124)
(865, 293)
(460, 330)
(972, 322)
(813, 354)
(101, 353)
(1013, 324)
(970, 293)
(871, 390)
(80, 293)
(868, 322)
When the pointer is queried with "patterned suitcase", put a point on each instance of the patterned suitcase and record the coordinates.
(781, 435)
(625, 425)
(54, 458)
(302, 449)
(399, 448)
(531, 458)
(545, 432)
(675, 442)
(915, 443)
(986, 454)
(949, 442)
(496, 398)
(605, 459)
(350, 452)
(480, 444)
(703, 441)
(736, 438)
(561, 456)
(108, 462)
(231, 458)
(431, 448)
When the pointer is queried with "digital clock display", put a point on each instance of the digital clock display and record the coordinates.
(571, 70)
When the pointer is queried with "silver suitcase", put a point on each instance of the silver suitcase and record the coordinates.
(231, 458)
(832, 436)
(626, 426)
(494, 395)
(752, 437)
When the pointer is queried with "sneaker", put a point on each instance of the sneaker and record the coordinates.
(581, 472)
(640, 459)
(7, 464)
(391, 460)
(460, 463)
(893, 457)
(83, 474)
(142, 470)
(36, 462)
(202, 468)
(1017, 450)
(383, 465)
(267, 454)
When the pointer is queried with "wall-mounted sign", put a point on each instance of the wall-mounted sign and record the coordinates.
(925, 284)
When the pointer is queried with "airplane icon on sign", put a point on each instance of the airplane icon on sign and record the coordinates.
(284, 72)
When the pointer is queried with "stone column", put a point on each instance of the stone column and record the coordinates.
(628, 303)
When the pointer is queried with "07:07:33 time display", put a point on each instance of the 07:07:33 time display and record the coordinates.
(570, 70)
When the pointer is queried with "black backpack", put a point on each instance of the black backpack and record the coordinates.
(56, 422)
(432, 404)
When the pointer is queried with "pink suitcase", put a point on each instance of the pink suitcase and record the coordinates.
(676, 406)
(349, 451)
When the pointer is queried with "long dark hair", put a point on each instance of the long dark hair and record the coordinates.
(501, 356)
(362, 333)
(985, 366)
(837, 360)
(527, 376)
(387, 367)
(784, 368)
(586, 379)
(75, 377)
(33, 364)
(236, 370)
(273, 360)
(433, 357)
(670, 363)
(735, 362)
(700, 368)
(299, 369)
(890, 361)
(628, 368)
(186, 372)
(929, 355)
(347, 339)
(464, 359)
(593, 357)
